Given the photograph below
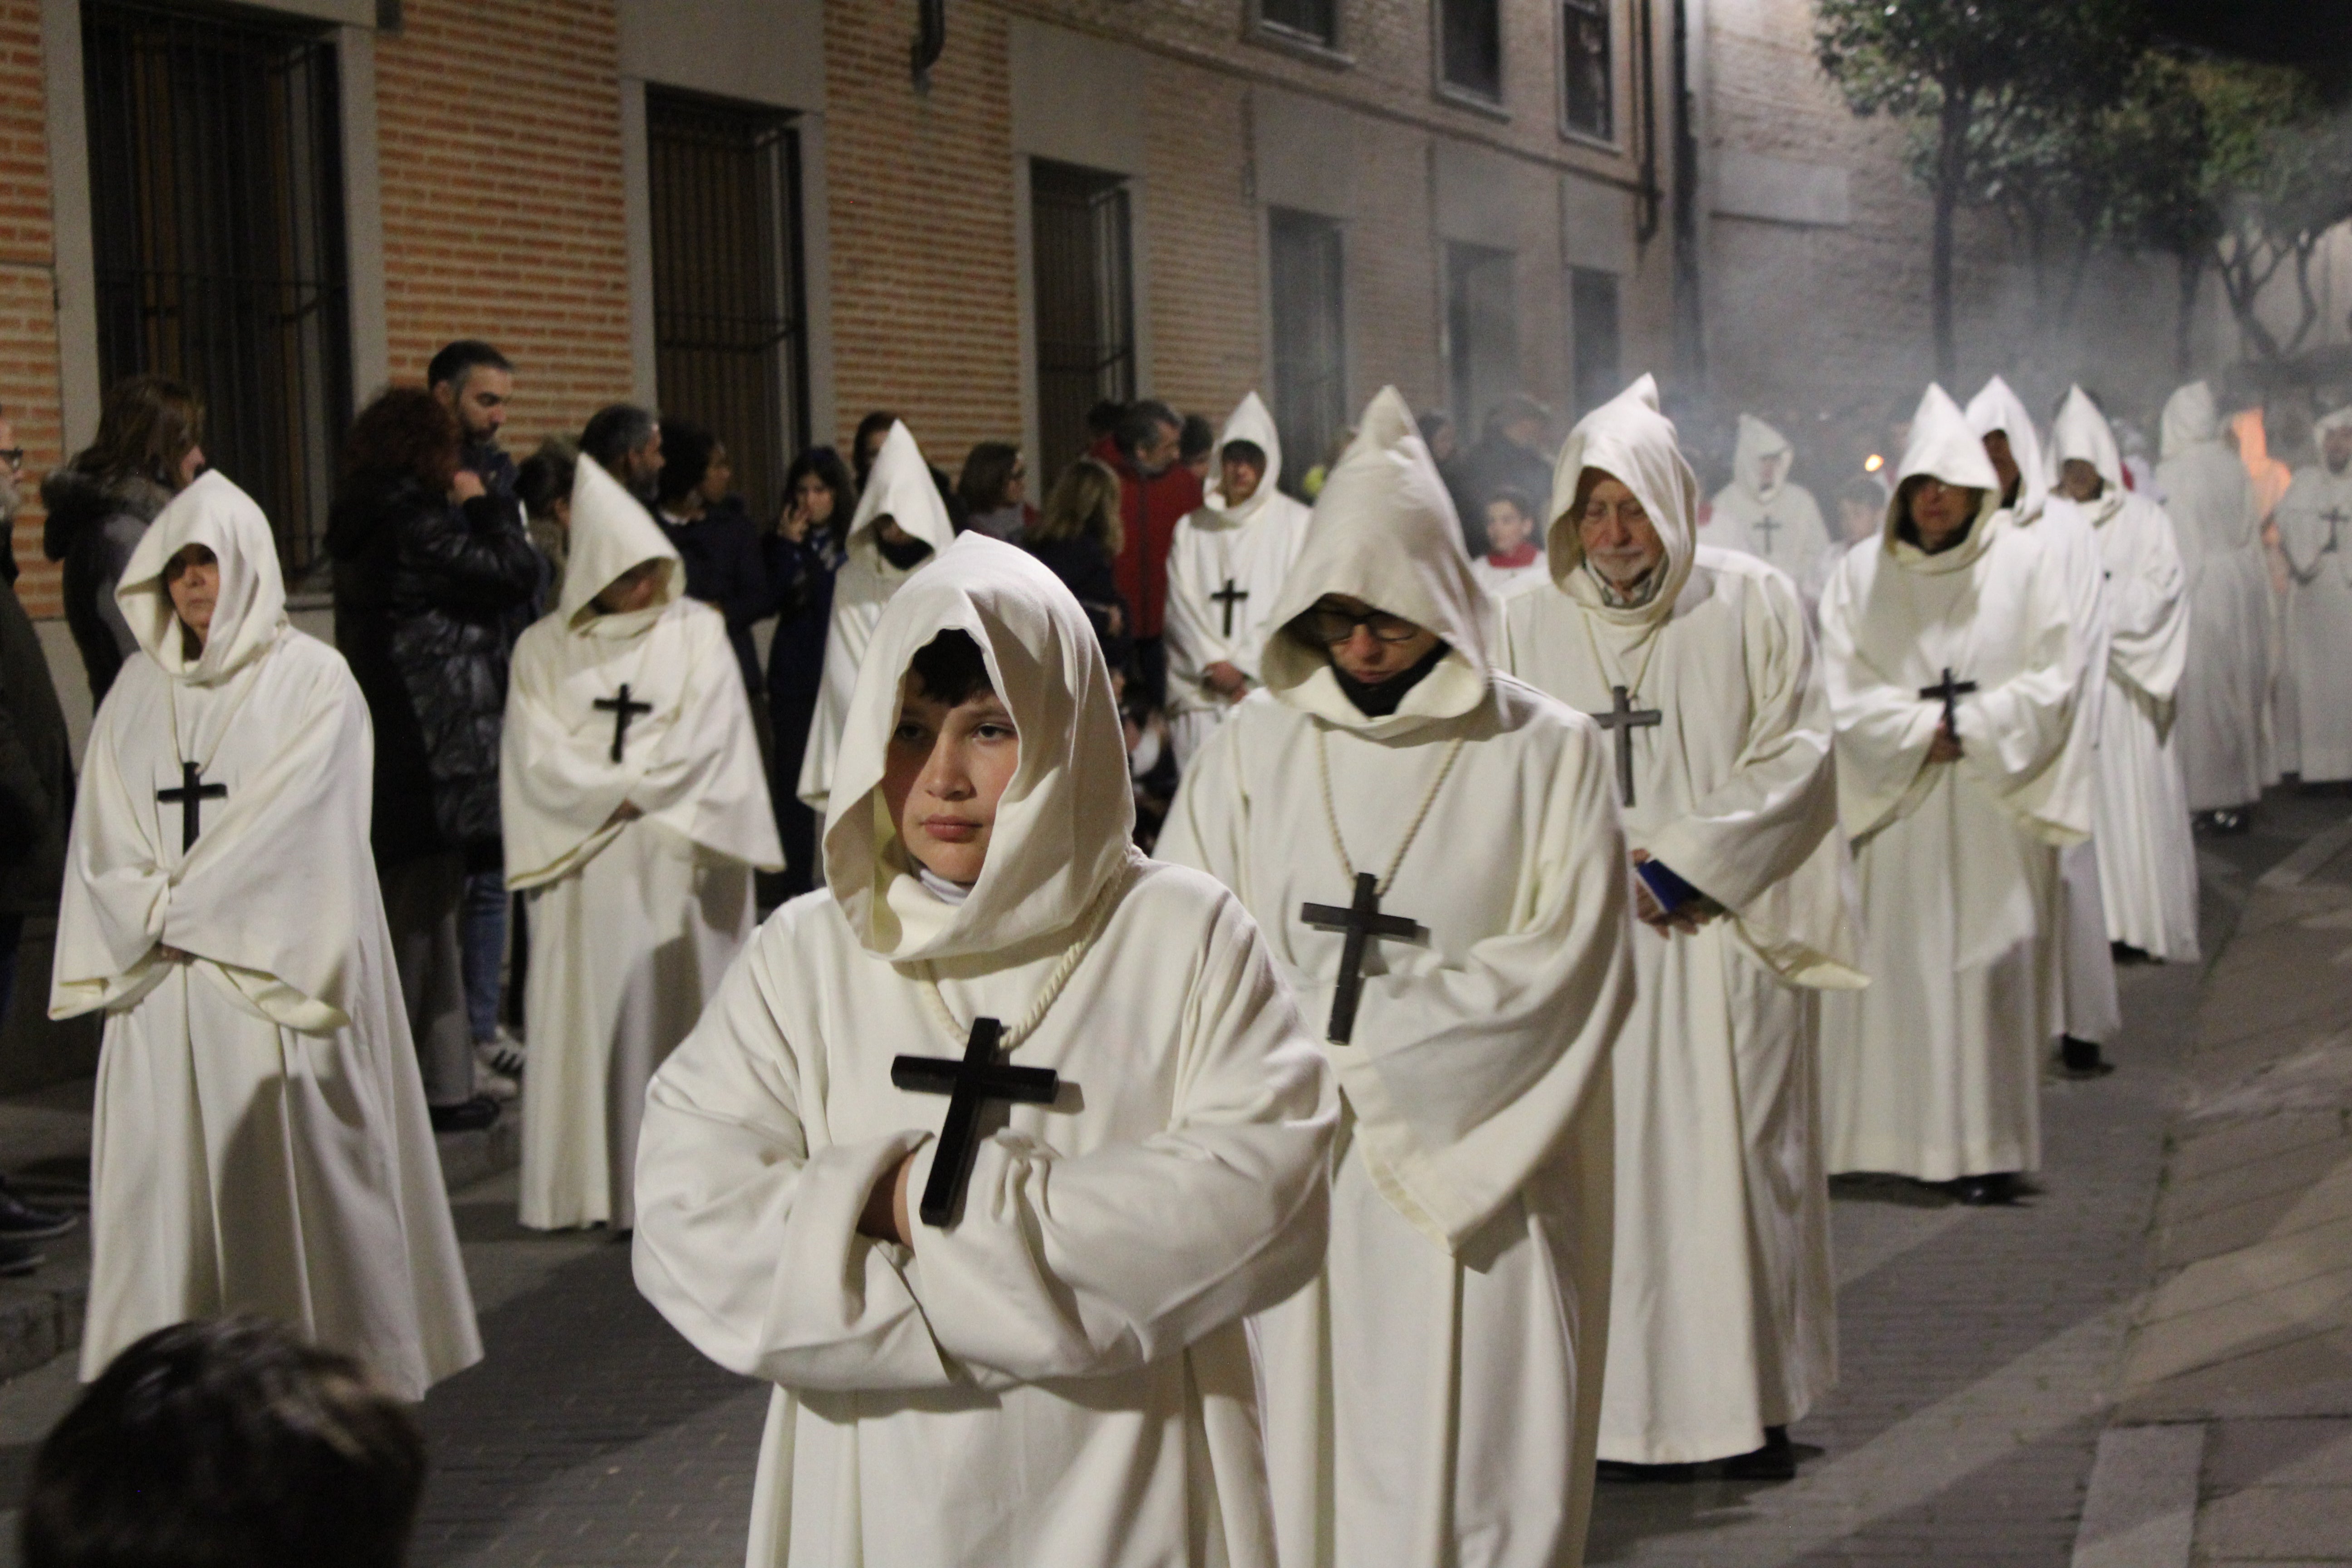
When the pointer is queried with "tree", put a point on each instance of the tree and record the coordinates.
(2277, 177)
(1967, 74)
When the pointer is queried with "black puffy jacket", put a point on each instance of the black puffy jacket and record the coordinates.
(94, 525)
(430, 598)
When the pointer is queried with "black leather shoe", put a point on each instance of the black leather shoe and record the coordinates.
(466, 1115)
(1987, 1190)
(1774, 1461)
(1618, 1472)
(2080, 1059)
(20, 1221)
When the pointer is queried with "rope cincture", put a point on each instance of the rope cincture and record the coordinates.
(1331, 814)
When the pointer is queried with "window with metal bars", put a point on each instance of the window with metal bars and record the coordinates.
(1587, 106)
(1310, 377)
(1317, 21)
(1470, 46)
(1082, 266)
(729, 349)
(216, 219)
(1482, 328)
(1593, 345)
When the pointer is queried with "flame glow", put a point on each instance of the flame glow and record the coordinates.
(1873, 463)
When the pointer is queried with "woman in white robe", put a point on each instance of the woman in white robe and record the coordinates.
(1432, 1397)
(1059, 1375)
(261, 1142)
(1935, 1071)
(2226, 683)
(634, 832)
(1763, 514)
(2314, 527)
(2148, 860)
(1722, 1319)
(1243, 550)
(899, 527)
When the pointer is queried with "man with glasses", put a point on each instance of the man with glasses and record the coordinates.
(1431, 848)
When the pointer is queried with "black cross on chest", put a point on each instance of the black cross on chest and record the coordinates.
(190, 798)
(2335, 518)
(1363, 921)
(623, 711)
(969, 1085)
(1229, 596)
(1767, 526)
(1948, 691)
(1625, 718)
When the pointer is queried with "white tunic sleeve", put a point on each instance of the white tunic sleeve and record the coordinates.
(1193, 644)
(2147, 603)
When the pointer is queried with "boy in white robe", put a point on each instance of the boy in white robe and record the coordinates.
(1050, 1365)
(899, 527)
(1949, 650)
(1765, 514)
(261, 1142)
(634, 811)
(2092, 1010)
(2148, 859)
(1514, 562)
(1225, 565)
(1722, 1319)
(2218, 523)
(1432, 1397)
(2314, 527)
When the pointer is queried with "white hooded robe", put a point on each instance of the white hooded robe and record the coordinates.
(632, 922)
(2226, 681)
(1780, 522)
(2148, 860)
(2315, 525)
(1248, 549)
(1722, 1317)
(1432, 1397)
(261, 1142)
(1061, 1375)
(1934, 1071)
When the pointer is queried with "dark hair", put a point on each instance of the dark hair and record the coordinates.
(1864, 492)
(1240, 451)
(462, 359)
(227, 1444)
(877, 423)
(546, 476)
(687, 451)
(834, 474)
(987, 471)
(950, 668)
(1103, 419)
(1431, 422)
(1517, 497)
(1141, 422)
(148, 424)
(406, 430)
(1195, 439)
(1083, 504)
(1514, 407)
(616, 430)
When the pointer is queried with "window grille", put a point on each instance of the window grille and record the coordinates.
(1586, 102)
(1592, 323)
(1482, 347)
(729, 349)
(1318, 21)
(1311, 381)
(216, 217)
(1083, 266)
(1470, 46)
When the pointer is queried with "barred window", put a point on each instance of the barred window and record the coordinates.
(1593, 327)
(1083, 273)
(1482, 328)
(1318, 21)
(1470, 46)
(1586, 103)
(1311, 375)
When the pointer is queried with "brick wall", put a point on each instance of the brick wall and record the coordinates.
(28, 340)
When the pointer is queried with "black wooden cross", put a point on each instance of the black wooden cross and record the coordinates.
(190, 798)
(1229, 596)
(1363, 921)
(1625, 718)
(1768, 528)
(1950, 691)
(969, 1085)
(2334, 519)
(623, 711)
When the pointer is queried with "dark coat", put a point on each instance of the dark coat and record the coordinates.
(430, 598)
(724, 569)
(800, 576)
(93, 526)
(1086, 570)
(36, 782)
(1499, 463)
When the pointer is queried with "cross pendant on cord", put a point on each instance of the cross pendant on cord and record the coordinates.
(1363, 921)
(623, 711)
(1229, 596)
(1950, 691)
(969, 1083)
(1623, 719)
(1768, 528)
(190, 798)
(2334, 519)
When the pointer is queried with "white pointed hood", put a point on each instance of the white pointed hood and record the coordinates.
(2328, 422)
(2083, 432)
(1944, 444)
(1063, 828)
(1756, 442)
(900, 487)
(612, 532)
(1252, 421)
(1996, 407)
(2191, 419)
(250, 613)
(1627, 438)
(1385, 531)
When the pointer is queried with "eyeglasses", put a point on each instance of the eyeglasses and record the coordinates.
(1332, 627)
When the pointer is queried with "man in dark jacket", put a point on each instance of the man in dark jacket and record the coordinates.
(701, 515)
(475, 383)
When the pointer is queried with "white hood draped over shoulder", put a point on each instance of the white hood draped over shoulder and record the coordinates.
(2225, 692)
(1722, 1317)
(1776, 519)
(1080, 1317)
(2314, 528)
(261, 1140)
(1441, 1378)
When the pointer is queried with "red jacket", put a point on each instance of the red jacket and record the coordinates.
(1149, 508)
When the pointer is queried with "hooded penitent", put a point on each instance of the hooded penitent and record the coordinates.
(1250, 421)
(2314, 706)
(224, 813)
(900, 488)
(1756, 442)
(2226, 687)
(1996, 407)
(1385, 532)
(1628, 439)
